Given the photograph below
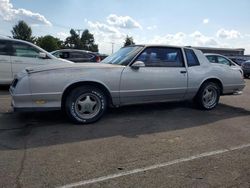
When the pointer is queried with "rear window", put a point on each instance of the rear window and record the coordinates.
(191, 58)
(4, 47)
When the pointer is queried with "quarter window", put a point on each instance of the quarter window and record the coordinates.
(161, 57)
(4, 47)
(24, 50)
(191, 58)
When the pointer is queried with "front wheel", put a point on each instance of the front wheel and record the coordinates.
(85, 104)
(208, 96)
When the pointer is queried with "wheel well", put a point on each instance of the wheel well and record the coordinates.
(216, 81)
(86, 83)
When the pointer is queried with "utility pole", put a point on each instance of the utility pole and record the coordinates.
(112, 43)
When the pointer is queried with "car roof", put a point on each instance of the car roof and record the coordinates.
(161, 45)
(72, 50)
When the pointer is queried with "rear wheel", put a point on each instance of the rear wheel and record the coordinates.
(85, 104)
(208, 96)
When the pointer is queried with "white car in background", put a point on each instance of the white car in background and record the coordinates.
(223, 61)
(16, 55)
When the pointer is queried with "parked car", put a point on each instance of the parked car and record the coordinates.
(77, 56)
(238, 61)
(246, 68)
(15, 55)
(224, 61)
(134, 74)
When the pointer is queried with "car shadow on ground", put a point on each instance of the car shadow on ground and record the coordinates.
(32, 130)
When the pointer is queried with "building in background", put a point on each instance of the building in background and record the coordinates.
(236, 54)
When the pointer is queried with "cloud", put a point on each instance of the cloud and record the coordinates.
(205, 21)
(62, 35)
(153, 27)
(105, 35)
(8, 13)
(202, 40)
(102, 27)
(183, 39)
(172, 39)
(125, 22)
(228, 34)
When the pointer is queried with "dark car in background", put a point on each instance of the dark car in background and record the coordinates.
(246, 68)
(78, 56)
(102, 56)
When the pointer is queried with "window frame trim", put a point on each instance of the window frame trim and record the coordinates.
(146, 47)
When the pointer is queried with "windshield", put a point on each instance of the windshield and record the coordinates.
(123, 56)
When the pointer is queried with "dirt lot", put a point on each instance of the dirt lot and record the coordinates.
(156, 145)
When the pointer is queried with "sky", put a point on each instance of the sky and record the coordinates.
(213, 23)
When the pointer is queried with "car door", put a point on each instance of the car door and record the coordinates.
(80, 57)
(25, 55)
(164, 77)
(5, 62)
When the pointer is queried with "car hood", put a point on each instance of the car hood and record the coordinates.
(78, 66)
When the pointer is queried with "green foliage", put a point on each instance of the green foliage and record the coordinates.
(49, 43)
(73, 41)
(88, 41)
(128, 41)
(22, 31)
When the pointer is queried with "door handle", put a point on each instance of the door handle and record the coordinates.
(183, 72)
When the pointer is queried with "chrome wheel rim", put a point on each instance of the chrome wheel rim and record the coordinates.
(87, 106)
(209, 96)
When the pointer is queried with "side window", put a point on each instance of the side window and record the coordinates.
(77, 55)
(64, 55)
(212, 59)
(24, 50)
(89, 56)
(191, 58)
(224, 61)
(4, 50)
(57, 54)
(161, 57)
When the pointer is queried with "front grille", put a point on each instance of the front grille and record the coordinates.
(14, 83)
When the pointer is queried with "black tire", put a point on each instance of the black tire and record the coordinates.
(200, 97)
(85, 111)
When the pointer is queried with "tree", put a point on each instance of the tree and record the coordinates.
(73, 41)
(128, 41)
(22, 31)
(88, 41)
(49, 43)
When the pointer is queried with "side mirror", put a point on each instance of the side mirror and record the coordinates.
(137, 65)
(42, 55)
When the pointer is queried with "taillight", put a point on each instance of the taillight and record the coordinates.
(98, 59)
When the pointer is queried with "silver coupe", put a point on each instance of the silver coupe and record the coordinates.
(134, 74)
